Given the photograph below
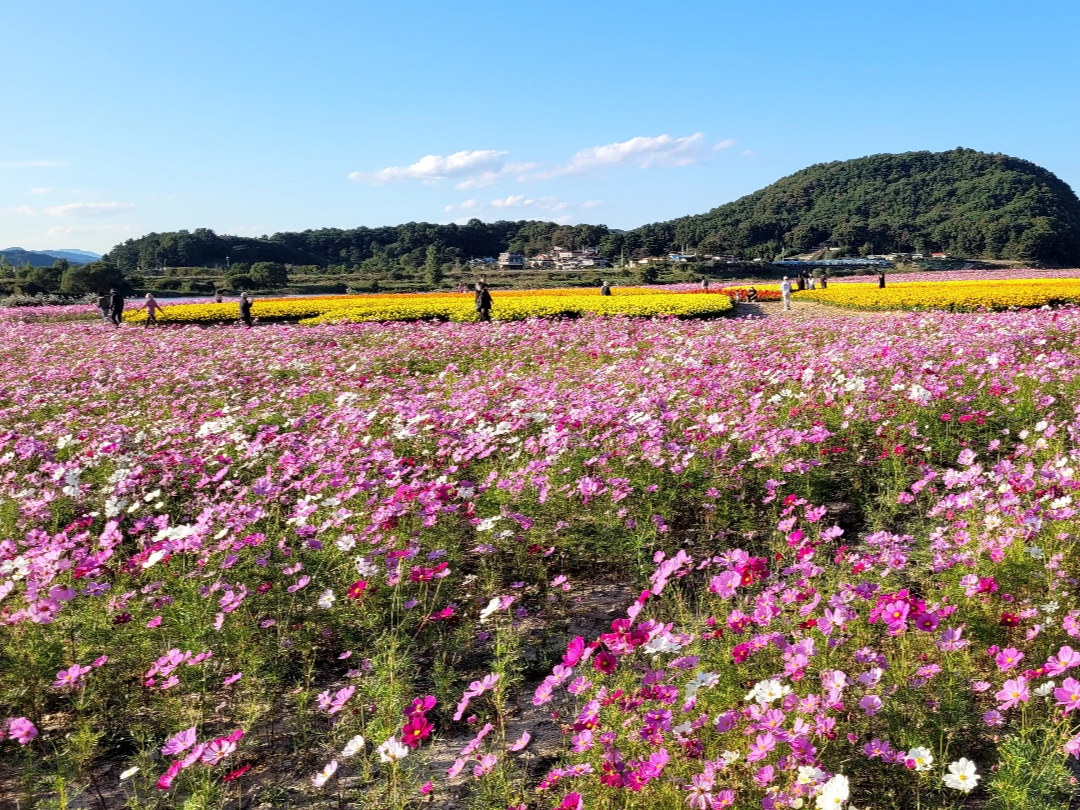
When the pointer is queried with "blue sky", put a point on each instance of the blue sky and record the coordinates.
(124, 117)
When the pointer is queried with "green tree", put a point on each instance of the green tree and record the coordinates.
(96, 277)
(432, 269)
(267, 275)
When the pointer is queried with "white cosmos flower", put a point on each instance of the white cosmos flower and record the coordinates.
(346, 542)
(492, 606)
(326, 599)
(130, 772)
(1043, 691)
(324, 775)
(353, 745)
(833, 793)
(961, 775)
(392, 751)
(922, 758)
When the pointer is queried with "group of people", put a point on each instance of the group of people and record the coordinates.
(111, 305)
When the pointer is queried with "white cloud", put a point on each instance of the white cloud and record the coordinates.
(33, 164)
(642, 151)
(24, 211)
(464, 205)
(522, 201)
(749, 153)
(95, 209)
(42, 190)
(724, 144)
(476, 163)
(591, 203)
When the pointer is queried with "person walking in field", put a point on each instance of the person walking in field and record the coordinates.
(704, 284)
(751, 295)
(605, 289)
(103, 305)
(152, 309)
(785, 292)
(217, 296)
(881, 279)
(483, 300)
(245, 309)
(116, 306)
(813, 282)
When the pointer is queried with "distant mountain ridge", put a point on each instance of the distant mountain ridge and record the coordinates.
(45, 258)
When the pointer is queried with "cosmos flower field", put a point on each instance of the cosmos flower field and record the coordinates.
(597, 563)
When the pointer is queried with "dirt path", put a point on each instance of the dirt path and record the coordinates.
(801, 311)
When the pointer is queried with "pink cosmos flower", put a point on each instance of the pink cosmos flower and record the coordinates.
(1008, 658)
(21, 730)
(871, 704)
(521, 742)
(1012, 692)
(218, 750)
(927, 622)
(179, 743)
(1065, 659)
(760, 748)
(1068, 695)
(71, 678)
(571, 801)
(165, 781)
(605, 662)
(484, 765)
(574, 651)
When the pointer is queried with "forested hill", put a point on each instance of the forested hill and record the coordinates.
(965, 202)
(968, 203)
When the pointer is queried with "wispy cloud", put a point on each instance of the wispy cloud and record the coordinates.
(522, 201)
(643, 151)
(41, 190)
(517, 201)
(475, 168)
(464, 205)
(91, 209)
(32, 164)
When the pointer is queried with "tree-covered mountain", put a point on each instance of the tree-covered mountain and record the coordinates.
(967, 203)
(964, 202)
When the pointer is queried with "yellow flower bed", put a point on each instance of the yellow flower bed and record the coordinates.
(509, 305)
(537, 305)
(951, 295)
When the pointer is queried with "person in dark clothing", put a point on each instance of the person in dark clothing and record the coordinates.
(824, 279)
(245, 309)
(483, 300)
(103, 305)
(881, 279)
(116, 306)
(801, 281)
(217, 296)
(605, 289)
(751, 295)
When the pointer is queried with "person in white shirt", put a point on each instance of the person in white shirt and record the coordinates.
(785, 292)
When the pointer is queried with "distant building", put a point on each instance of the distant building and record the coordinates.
(939, 255)
(512, 261)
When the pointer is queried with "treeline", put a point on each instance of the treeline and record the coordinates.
(963, 202)
(362, 249)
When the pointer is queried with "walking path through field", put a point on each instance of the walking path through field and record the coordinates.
(802, 311)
